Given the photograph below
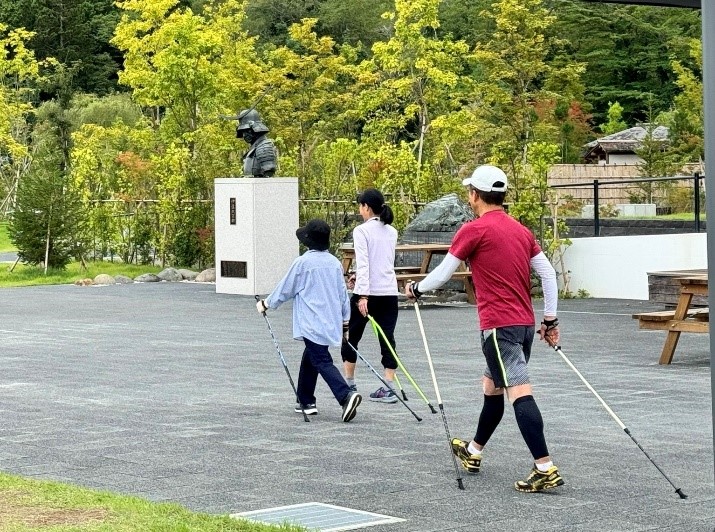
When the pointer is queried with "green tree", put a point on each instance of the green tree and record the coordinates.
(189, 69)
(656, 161)
(615, 122)
(410, 96)
(19, 78)
(46, 225)
(687, 117)
(312, 90)
(516, 82)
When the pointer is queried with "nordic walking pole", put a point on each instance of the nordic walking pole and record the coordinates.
(283, 360)
(439, 397)
(382, 379)
(557, 348)
(404, 395)
(378, 332)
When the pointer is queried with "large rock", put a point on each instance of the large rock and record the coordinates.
(103, 278)
(170, 274)
(123, 279)
(446, 214)
(189, 275)
(207, 276)
(147, 278)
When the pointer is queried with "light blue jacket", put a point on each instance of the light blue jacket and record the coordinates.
(315, 280)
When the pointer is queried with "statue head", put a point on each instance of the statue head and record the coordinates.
(250, 126)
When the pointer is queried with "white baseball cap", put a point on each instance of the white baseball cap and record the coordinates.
(487, 178)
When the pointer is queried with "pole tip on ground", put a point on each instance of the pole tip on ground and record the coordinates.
(680, 492)
(432, 409)
(460, 484)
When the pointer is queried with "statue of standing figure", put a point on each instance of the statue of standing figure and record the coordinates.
(261, 158)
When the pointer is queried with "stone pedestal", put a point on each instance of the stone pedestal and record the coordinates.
(255, 222)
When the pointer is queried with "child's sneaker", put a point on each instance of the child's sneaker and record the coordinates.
(470, 462)
(381, 395)
(350, 406)
(540, 480)
(310, 409)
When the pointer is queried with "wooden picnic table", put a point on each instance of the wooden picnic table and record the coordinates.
(417, 273)
(682, 319)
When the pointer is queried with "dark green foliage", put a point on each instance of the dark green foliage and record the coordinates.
(270, 19)
(192, 245)
(356, 21)
(628, 51)
(463, 20)
(75, 32)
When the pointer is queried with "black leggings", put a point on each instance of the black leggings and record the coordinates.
(384, 310)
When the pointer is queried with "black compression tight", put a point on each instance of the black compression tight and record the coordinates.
(531, 425)
(489, 419)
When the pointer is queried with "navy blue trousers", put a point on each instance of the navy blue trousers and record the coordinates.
(317, 361)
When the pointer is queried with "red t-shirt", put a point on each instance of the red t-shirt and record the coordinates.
(499, 250)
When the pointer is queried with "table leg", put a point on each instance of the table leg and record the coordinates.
(426, 259)
(671, 341)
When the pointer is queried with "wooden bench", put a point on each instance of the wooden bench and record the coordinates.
(682, 319)
(464, 276)
(696, 320)
(417, 273)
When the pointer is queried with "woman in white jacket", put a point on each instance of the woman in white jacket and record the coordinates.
(374, 287)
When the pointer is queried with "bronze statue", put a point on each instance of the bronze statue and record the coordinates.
(261, 158)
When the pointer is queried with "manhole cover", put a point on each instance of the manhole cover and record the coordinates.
(318, 516)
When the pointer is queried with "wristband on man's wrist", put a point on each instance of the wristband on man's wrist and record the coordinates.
(415, 290)
(550, 323)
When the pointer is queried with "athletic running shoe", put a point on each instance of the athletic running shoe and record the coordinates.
(353, 387)
(470, 462)
(310, 409)
(381, 395)
(350, 406)
(540, 481)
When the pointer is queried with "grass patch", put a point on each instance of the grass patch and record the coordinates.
(28, 505)
(24, 275)
(5, 244)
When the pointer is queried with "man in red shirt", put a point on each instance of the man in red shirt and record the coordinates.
(501, 253)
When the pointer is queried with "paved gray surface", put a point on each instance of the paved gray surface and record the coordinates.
(172, 392)
(9, 256)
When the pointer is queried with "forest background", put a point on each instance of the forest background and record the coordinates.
(111, 128)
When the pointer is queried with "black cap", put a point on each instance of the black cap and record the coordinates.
(315, 235)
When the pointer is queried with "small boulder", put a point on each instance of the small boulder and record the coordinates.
(189, 275)
(103, 278)
(147, 278)
(207, 276)
(170, 274)
(84, 282)
(123, 279)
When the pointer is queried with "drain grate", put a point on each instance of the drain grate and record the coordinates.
(318, 516)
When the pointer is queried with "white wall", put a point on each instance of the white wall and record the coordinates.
(623, 158)
(617, 266)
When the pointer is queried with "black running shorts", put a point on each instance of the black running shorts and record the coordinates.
(507, 350)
